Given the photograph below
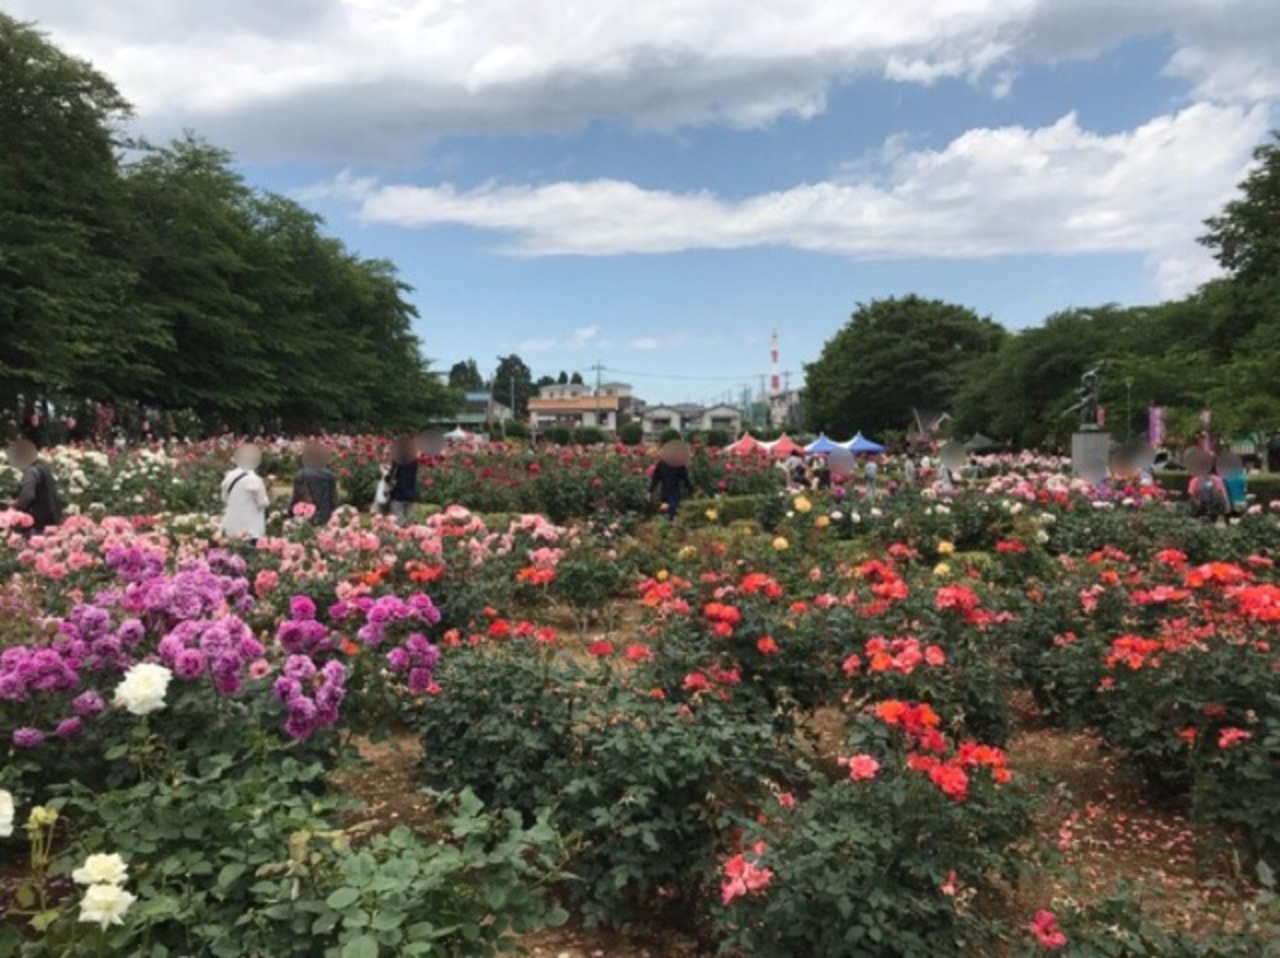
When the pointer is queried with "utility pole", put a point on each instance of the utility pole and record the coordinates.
(598, 369)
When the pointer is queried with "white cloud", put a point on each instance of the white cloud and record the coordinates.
(375, 78)
(580, 338)
(1058, 189)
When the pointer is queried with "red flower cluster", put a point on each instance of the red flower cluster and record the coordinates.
(901, 655)
(722, 617)
(1044, 926)
(754, 583)
(742, 876)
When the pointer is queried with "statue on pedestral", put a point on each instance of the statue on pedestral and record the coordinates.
(1089, 393)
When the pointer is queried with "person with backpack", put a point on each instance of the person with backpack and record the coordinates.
(316, 484)
(244, 496)
(1208, 494)
(37, 490)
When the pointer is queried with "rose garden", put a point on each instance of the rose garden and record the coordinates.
(785, 724)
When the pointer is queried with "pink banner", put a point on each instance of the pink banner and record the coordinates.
(1155, 426)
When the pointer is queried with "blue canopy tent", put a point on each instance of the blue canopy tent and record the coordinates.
(822, 446)
(861, 444)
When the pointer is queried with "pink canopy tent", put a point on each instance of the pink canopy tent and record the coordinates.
(785, 447)
(748, 445)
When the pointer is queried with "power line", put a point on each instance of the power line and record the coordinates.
(696, 379)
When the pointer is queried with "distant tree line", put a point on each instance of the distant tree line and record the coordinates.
(155, 284)
(1217, 349)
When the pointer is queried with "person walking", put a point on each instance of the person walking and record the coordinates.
(37, 490)
(671, 478)
(869, 474)
(244, 495)
(402, 480)
(316, 484)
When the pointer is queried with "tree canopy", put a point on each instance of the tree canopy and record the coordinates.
(465, 376)
(513, 380)
(158, 281)
(1216, 349)
(894, 356)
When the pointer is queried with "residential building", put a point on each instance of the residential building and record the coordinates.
(723, 418)
(786, 409)
(686, 418)
(659, 419)
(575, 405)
(478, 411)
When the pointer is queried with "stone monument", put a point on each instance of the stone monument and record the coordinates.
(1090, 444)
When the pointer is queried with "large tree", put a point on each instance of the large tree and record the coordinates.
(465, 376)
(513, 383)
(893, 356)
(68, 310)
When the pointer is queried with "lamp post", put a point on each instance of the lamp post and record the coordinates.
(1128, 407)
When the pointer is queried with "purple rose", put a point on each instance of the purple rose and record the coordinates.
(87, 703)
(27, 737)
(69, 727)
(189, 664)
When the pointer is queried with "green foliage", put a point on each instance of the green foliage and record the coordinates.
(893, 356)
(588, 436)
(513, 385)
(631, 434)
(168, 283)
(859, 867)
(669, 435)
(465, 376)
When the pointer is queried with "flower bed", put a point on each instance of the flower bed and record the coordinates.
(181, 702)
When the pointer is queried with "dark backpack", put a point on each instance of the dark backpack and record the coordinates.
(1210, 500)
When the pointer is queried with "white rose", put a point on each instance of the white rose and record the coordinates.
(6, 814)
(105, 905)
(143, 688)
(101, 870)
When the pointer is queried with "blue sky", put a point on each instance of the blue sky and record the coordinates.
(659, 189)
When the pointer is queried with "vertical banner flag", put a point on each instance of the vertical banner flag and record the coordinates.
(1155, 426)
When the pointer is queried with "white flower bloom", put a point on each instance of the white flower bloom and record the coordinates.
(6, 814)
(105, 905)
(143, 688)
(101, 870)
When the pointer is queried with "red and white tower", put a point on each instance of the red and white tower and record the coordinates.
(775, 383)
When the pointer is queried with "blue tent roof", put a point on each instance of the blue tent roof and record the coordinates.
(861, 443)
(822, 445)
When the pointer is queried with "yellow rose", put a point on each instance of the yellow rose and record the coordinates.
(801, 504)
(662, 575)
(42, 816)
(822, 521)
(942, 569)
(712, 515)
(780, 544)
(946, 548)
(688, 553)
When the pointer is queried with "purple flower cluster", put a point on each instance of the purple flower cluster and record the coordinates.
(135, 563)
(311, 694)
(194, 592)
(89, 635)
(382, 613)
(223, 648)
(419, 658)
(301, 634)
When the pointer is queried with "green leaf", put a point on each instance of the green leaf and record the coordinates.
(366, 946)
(343, 898)
(387, 920)
(229, 874)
